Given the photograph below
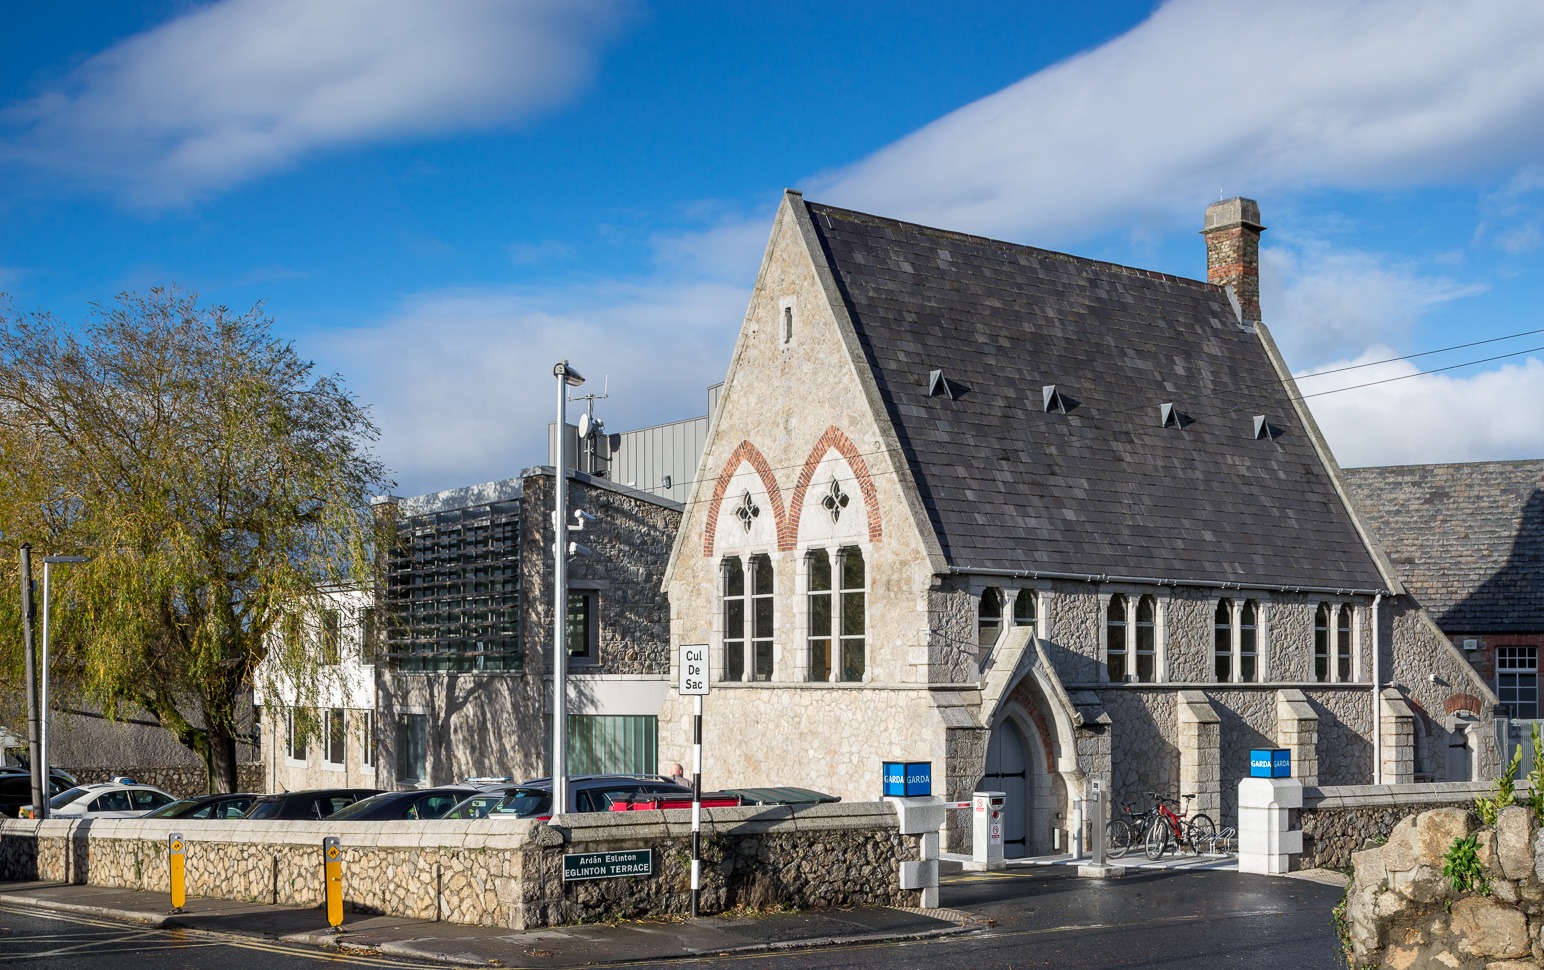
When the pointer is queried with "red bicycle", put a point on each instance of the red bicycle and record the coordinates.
(1195, 832)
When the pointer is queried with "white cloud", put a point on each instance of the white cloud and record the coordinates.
(461, 381)
(243, 87)
(1512, 218)
(1214, 95)
(1325, 302)
(1490, 415)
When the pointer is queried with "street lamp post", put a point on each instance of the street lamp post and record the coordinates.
(567, 377)
(43, 693)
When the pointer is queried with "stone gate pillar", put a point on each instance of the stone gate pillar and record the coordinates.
(1297, 730)
(1397, 759)
(1200, 757)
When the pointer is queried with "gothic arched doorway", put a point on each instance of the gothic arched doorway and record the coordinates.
(1007, 771)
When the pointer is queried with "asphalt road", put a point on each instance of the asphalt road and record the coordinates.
(1035, 918)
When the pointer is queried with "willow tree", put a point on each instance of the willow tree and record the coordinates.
(216, 480)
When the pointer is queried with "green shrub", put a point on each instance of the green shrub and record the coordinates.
(1536, 778)
(1461, 866)
(1506, 789)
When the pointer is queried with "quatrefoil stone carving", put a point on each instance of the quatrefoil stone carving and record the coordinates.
(835, 500)
(748, 511)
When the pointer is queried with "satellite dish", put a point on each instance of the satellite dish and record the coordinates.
(584, 425)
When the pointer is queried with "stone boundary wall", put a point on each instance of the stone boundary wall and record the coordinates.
(184, 781)
(1339, 820)
(494, 872)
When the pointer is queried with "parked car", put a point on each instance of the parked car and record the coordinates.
(653, 801)
(119, 798)
(16, 788)
(424, 803)
(229, 805)
(781, 795)
(315, 803)
(586, 793)
(478, 805)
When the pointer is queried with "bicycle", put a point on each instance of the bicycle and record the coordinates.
(1166, 827)
(1126, 831)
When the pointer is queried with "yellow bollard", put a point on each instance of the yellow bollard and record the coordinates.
(332, 869)
(178, 860)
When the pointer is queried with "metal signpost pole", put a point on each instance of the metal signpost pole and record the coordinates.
(43, 702)
(694, 680)
(696, 802)
(567, 377)
(34, 731)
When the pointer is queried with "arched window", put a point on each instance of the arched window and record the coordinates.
(1115, 638)
(821, 615)
(989, 618)
(854, 615)
(1321, 644)
(761, 612)
(1248, 643)
(1343, 644)
(1147, 640)
(734, 619)
(1026, 610)
(1222, 641)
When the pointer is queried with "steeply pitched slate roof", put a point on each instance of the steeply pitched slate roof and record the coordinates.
(1102, 489)
(1468, 539)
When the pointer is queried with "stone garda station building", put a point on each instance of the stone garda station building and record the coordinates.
(1036, 518)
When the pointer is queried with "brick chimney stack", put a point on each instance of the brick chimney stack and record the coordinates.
(1233, 251)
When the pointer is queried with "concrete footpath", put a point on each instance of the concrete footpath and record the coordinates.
(483, 946)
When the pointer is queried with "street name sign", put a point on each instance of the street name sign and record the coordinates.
(608, 865)
(694, 669)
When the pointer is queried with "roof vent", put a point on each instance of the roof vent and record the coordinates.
(1167, 416)
(1262, 428)
(1053, 399)
(938, 384)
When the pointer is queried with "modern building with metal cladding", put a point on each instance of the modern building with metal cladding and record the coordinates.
(1037, 519)
(464, 674)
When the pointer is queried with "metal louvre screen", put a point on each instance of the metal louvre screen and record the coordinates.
(453, 590)
(613, 744)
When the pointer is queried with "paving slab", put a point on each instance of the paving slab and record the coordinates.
(451, 943)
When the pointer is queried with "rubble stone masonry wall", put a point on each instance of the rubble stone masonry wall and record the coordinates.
(493, 872)
(1341, 820)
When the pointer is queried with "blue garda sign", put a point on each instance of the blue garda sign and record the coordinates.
(908, 778)
(1270, 763)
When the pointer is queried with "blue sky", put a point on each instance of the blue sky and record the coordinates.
(438, 200)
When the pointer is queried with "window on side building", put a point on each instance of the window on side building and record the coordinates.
(331, 645)
(989, 619)
(1026, 608)
(854, 614)
(734, 619)
(1147, 639)
(413, 748)
(1321, 643)
(1248, 643)
(583, 631)
(1343, 644)
(335, 749)
(295, 737)
(1115, 638)
(366, 722)
(761, 617)
(821, 615)
(1222, 641)
(1517, 680)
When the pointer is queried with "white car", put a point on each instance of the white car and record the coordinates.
(119, 798)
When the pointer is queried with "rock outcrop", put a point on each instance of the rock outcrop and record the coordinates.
(1403, 913)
